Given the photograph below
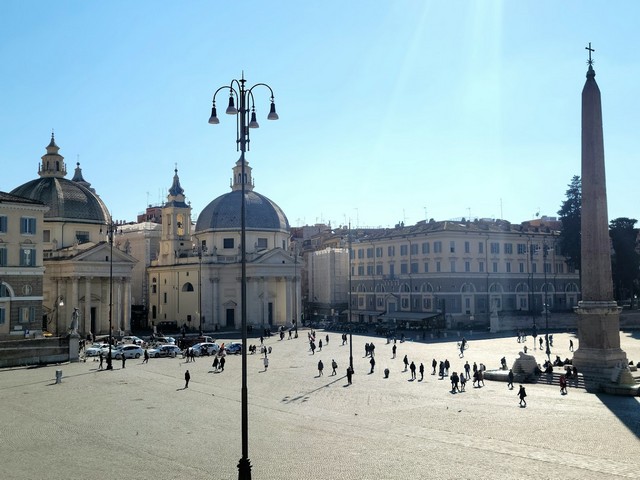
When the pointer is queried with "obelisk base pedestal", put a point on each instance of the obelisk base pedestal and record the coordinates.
(599, 357)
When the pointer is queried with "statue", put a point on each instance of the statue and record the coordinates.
(74, 321)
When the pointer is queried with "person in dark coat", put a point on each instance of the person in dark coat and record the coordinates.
(349, 375)
(320, 367)
(522, 394)
(421, 371)
(373, 364)
(187, 377)
(405, 360)
(510, 384)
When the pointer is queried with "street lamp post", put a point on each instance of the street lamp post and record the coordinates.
(238, 91)
(545, 251)
(110, 230)
(350, 300)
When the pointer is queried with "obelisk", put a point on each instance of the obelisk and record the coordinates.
(599, 356)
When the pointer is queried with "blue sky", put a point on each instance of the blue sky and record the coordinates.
(389, 111)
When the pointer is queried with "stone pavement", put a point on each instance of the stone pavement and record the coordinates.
(140, 423)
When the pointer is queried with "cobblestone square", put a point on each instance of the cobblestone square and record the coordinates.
(139, 422)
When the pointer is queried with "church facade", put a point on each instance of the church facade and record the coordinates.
(196, 280)
(82, 270)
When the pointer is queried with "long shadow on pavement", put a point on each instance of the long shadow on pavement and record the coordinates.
(625, 409)
(305, 395)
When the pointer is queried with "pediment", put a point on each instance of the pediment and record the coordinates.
(102, 251)
(276, 256)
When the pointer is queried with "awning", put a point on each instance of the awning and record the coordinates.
(416, 316)
(373, 313)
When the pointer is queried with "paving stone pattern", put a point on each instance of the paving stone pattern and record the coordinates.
(140, 423)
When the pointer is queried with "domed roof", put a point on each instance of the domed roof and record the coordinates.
(224, 213)
(71, 200)
(66, 200)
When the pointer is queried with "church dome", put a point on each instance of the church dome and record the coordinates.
(69, 200)
(223, 213)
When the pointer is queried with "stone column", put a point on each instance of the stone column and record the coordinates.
(599, 356)
(86, 322)
(127, 304)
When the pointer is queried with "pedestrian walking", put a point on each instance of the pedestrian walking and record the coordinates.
(320, 366)
(146, 356)
(393, 351)
(522, 394)
(455, 379)
(101, 359)
(327, 339)
(421, 371)
(215, 364)
(334, 366)
(373, 364)
(405, 360)
(510, 383)
(463, 382)
(320, 345)
(222, 361)
(541, 341)
(265, 360)
(446, 366)
(563, 384)
(441, 369)
(434, 364)
(570, 345)
(349, 374)
(124, 359)
(467, 368)
(187, 377)
(412, 367)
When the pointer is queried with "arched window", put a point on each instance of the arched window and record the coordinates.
(187, 287)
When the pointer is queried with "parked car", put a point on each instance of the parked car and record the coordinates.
(133, 340)
(94, 349)
(233, 348)
(129, 351)
(164, 351)
(209, 347)
(163, 339)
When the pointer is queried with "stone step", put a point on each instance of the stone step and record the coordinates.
(554, 379)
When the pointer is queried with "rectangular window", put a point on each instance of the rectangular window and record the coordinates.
(547, 268)
(426, 267)
(227, 243)
(480, 247)
(27, 314)
(370, 252)
(262, 244)
(508, 248)
(3, 257)
(164, 297)
(2, 315)
(361, 253)
(426, 303)
(559, 268)
(404, 250)
(82, 237)
(378, 252)
(27, 225)
(495, 267)
(425, 247)
(369, 269)
(453, 266)
(452, 247)
(391, 251)
(534, 268)
(522, 248)
(438, 267)
(467, 247)
(495, 248)
(360, 270)
(46, 236)
(521, 267)
(437, 247)
(404, 268)
(508, 267)
(481, 267)
(392, 270)
(414, 249)
(153, 288)
(378, 269)
(27, 257)
(467, 266)
(3, 224)
(414, 268)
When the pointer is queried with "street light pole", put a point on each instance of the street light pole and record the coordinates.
(350, 300)
(545, 251)
(237, 90)
(110, 230)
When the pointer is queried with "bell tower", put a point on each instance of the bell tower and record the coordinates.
(176, 224)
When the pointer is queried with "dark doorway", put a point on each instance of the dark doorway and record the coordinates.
(231, 318)
(93, 320)
(270, 313)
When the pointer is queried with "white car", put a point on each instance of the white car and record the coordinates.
(209, 347)
(164, 351)
(129, 351)
(94, 349)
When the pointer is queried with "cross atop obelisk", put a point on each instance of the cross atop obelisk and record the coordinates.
(590, 61)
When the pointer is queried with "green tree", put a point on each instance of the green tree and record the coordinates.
(570, 217)
(625, 260)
